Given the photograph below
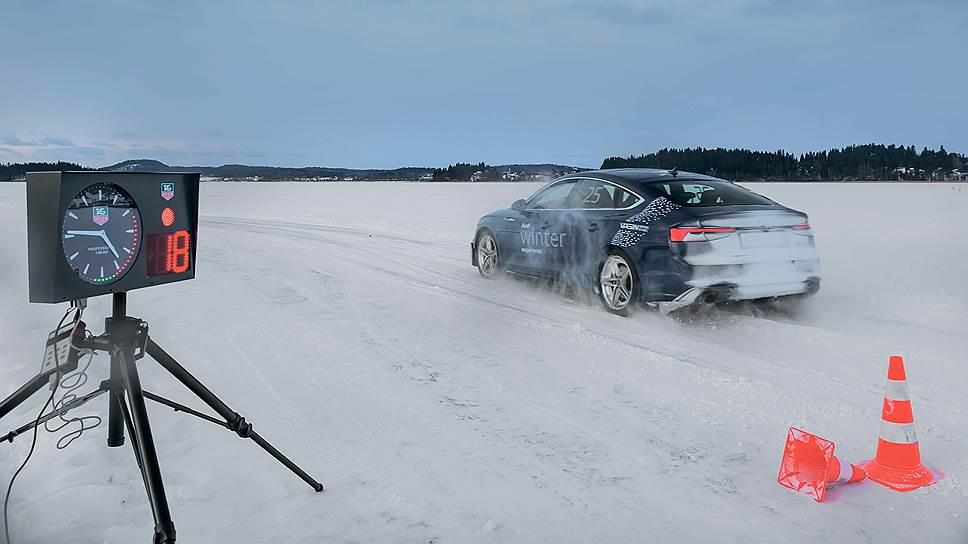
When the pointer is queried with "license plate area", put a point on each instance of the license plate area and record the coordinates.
(756, 239)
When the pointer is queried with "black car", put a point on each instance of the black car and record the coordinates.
(663, 237)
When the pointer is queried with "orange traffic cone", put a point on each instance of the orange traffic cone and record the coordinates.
(897, 463)
(809, 465)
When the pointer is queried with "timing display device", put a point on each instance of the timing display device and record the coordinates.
(94, 233)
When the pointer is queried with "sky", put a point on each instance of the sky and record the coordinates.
(391, 83)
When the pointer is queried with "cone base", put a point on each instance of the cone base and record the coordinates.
(897, 479)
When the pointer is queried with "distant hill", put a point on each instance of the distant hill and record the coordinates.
(140, 165)
(242, 172)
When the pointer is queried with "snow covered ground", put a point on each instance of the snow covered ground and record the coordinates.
(346, 322)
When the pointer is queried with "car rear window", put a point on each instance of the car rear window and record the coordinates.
(707, 193)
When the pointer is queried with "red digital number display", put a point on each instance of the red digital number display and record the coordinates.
(169, 253)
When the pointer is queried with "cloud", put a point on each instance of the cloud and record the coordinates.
(13, 140)
(44, 141)
(58, 141)
(50, 148)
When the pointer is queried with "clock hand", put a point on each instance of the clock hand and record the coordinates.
(107, 241)
(86, 232)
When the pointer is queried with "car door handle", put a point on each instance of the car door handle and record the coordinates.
(546, 225)
(509, 219)
(592, 227)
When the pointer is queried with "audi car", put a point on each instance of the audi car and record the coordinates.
(667, 238)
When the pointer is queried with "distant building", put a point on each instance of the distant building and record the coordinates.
(508, 175)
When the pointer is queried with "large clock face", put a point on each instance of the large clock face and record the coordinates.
(101, 233)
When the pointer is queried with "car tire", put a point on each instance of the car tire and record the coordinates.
(618, 286)
(488, 257)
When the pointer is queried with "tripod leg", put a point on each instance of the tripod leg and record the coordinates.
(236, 422)
(51, 415)
(115, 420)
(143, 441)
(126, 416)
(20, 395)
(115, 423)
(123, 409)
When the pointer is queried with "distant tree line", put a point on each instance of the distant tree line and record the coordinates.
(461, 171)
(851, 163)
(12, 171)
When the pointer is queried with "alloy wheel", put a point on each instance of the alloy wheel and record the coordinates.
(616, 283)
(486, 255)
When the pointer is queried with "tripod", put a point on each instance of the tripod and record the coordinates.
(126, 340)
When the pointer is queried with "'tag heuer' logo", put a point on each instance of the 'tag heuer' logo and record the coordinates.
(100, 215)
(168, 191)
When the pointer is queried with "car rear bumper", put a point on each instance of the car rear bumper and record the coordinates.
(747, 263)
(739, 288)
(758, 279)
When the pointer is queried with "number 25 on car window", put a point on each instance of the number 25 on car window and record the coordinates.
(594, 195)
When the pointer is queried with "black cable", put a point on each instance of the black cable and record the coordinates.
(33, 441)
(77, 380)
(68, 397)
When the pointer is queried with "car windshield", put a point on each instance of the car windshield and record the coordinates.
(707, 193)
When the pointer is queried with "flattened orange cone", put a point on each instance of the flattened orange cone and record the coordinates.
(809, 465)
(897, 463)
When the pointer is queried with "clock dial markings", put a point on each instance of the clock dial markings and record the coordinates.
(116, 242)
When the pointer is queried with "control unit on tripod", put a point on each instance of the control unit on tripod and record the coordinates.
(97, 233)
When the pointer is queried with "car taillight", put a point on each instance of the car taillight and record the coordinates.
(800, 227)
(679, 234)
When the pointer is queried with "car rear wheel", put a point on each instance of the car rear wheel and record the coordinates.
(487, 256)
(617, 284)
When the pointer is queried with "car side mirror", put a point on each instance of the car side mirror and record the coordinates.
(519, 205)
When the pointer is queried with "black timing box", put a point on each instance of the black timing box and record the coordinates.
(49, 195)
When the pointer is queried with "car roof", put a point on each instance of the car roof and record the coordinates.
(641, 175)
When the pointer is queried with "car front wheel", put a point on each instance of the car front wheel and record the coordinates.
(617, 284)
(487, 256)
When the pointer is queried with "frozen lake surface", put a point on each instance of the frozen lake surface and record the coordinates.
(346, 322)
